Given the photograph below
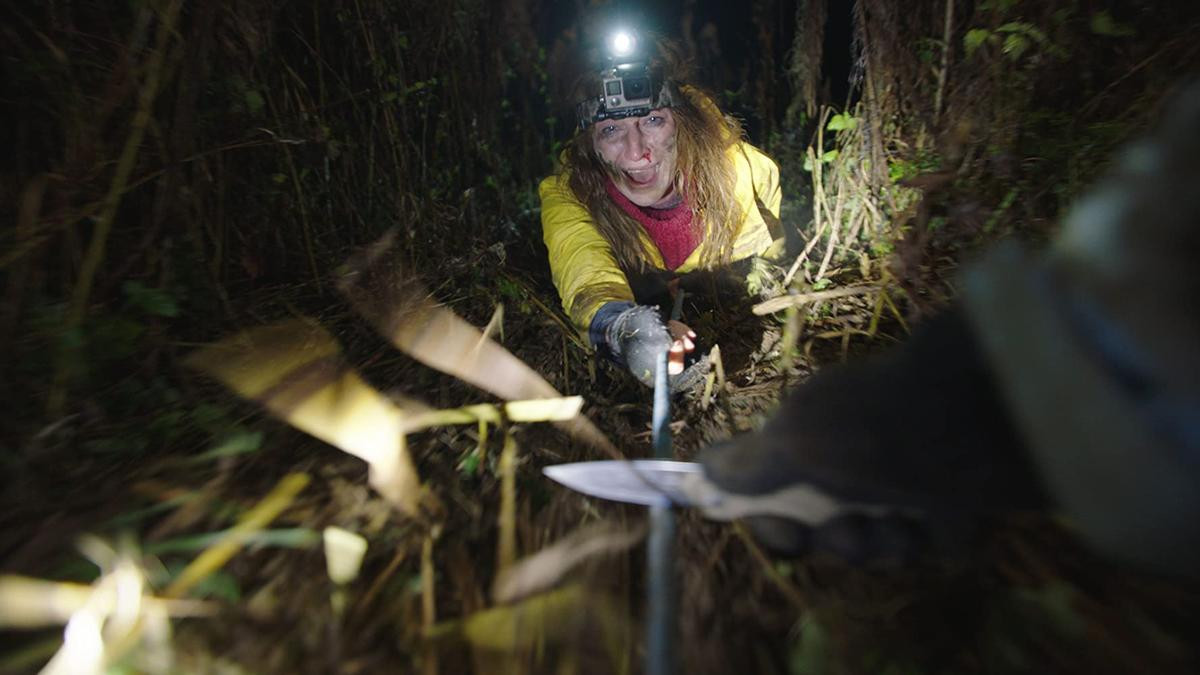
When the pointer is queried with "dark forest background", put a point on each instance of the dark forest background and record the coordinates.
(174, 173)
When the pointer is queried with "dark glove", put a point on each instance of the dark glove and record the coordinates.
(920, 432)
(636, 338)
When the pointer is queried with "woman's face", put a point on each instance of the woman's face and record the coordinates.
(641, 152)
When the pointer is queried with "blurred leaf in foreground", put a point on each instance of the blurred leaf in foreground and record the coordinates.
(294, 369)
(397, 304)
(545, 568)
(550, 618)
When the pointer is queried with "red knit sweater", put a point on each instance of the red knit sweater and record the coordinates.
(671, 228)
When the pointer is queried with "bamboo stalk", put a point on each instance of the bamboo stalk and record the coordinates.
(941, 77)
(96, 248)
(429, 664)
(793, 323)
(506, 547)
(255, 519)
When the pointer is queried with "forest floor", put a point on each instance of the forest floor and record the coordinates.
(1026, 598)
(188, 172)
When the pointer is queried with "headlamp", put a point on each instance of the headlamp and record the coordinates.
(627, 88)
(622, 43)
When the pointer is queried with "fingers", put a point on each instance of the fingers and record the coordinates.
(683, 335)
(684, 342)
(675, 358)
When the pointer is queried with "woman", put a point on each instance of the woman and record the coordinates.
(650, 187)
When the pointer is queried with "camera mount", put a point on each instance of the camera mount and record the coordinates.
(628, 89)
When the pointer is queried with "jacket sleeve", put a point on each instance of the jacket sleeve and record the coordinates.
(757, 182)
(581, 261)
(765, 174)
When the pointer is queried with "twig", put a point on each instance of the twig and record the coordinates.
(99, 242)
(429, 663)
(784, 301)
(818, 199)
(383, 577)
(1188, 34)
(833, 239)
(568, 330)
(788, 589)
(305, 224)
(941, 76)
(255, 519)
(506, 548)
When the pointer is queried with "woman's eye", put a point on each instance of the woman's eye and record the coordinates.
(608, 131)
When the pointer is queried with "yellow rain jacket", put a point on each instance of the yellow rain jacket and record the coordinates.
(586, 273)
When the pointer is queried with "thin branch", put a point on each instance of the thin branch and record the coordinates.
(784, 301)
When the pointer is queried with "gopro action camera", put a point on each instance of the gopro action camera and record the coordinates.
(628, 90)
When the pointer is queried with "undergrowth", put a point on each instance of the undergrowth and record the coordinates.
(178, 172)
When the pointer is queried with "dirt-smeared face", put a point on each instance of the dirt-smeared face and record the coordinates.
(641, 151)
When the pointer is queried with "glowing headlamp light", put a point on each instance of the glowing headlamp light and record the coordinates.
(622, 44)
(627, 87)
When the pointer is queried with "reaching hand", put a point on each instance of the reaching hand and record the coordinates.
(637, 336)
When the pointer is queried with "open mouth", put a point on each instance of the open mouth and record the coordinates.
(641, 177)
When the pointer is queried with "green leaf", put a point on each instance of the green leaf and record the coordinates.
(1015, 45)
(115, 338)
(210, 417)
(124, 520)
(296, 537)
(975, 39)
(829, 156)
(1102, 23)
(1013, 27)
(842, 121)
(237, 443)
(469, 464)
(812, 655)
(220, 585)
(153, 301)
(254, 101)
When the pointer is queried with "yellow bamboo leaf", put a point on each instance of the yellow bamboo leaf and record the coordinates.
(550, 616)
(544, 569)
(544, 410)
(26, 602)
(344, 551)
(536, 410)
(397, 304)
(294, 369)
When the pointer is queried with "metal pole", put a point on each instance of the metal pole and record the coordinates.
(660, 593)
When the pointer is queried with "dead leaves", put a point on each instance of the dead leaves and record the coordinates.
(295, 370)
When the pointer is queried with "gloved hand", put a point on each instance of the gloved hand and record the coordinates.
(919, 432)
(635, 339)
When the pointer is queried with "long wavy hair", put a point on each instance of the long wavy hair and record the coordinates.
(704, 171)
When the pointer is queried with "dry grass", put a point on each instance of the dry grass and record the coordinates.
(228, 159)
